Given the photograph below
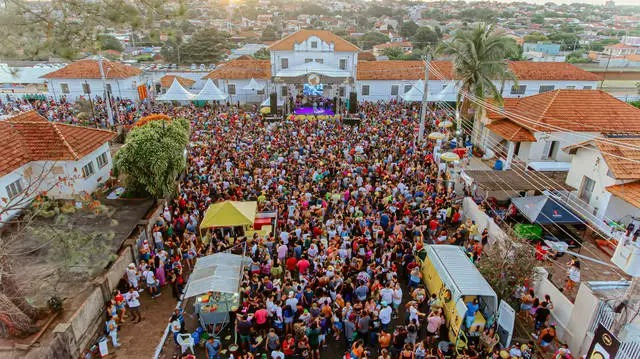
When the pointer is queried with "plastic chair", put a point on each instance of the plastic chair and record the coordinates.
(185, 341)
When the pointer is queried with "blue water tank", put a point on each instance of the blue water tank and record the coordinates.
(498, 165)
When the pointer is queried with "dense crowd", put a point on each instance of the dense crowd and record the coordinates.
(356, 206)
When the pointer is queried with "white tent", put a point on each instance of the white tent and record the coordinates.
(253, 85)
(176, 93)
(219, 272)
(210, 92)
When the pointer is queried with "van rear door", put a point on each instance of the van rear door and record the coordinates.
(506, 320)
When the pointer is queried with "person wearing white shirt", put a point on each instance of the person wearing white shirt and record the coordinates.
(385, 315)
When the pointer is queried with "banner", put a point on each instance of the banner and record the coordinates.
(142, 92)
(604, 345)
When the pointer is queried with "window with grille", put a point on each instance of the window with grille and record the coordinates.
(546, 88)
(108, 87)
(365, 90)
(320, 61)
(102, 160)
(64, 88)
(306, 61)
(343, 64)
(407, 88)
(231, 89)
(14, 189)
(394, 90)
(341, 92)
(284, 63)
(284, 91)
(88, 170)
(314, 44)
(518, 90)
(587, 88)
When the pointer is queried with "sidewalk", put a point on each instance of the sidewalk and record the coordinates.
(139, 340)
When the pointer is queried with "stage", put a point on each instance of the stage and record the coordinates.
(310, 111)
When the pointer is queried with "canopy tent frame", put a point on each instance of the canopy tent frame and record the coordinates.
(544, 210)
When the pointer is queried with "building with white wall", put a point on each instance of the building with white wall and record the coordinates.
(607, 176)
(84, 79)
(41, 156)
(233, 78)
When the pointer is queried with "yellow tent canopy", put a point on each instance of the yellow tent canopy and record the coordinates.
(229, 214)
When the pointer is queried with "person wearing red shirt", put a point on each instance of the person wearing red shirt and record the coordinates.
(260, 317)
(303, 265)
(292, 264)
(289, 346)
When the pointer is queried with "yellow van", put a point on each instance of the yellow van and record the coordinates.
(448, 272)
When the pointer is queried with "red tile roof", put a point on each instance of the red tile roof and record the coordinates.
(402, 70)
(524, 70)
(90, 69)
(30, 137)
(572, 110)
(167, 80)
(242, 68)
(339, 44)
(511, 131)
(628, 192)
(547, 71)
(622, 159)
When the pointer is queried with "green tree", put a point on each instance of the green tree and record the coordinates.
(393, 53)
(568, 41)
(108, 42)
(153, 157)
(600, 44)
(368, 40)
(508, 264)
(205, 47)
(408, 29)
(479, 58)
(262, 54)
(425, 37)
(537, 19)
(535, 37)
(269, 34)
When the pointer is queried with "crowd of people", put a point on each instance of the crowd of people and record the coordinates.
(356, 206)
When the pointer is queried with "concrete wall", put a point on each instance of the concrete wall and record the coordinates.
(120, 88)
(584, 306)
(562, 306)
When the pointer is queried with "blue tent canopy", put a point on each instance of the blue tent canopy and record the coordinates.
(545, 210)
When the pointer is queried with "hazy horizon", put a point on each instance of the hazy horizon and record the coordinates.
(592, 2)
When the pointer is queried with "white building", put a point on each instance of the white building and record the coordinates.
(83, 79)
(41, 156)
(607, 176)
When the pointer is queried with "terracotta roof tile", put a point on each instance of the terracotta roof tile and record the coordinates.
(547, 71)
(573, 110)
(242, 69)
(167, 80)
(628, 192)
(30, 137)
(339, 44)
(623, 162)
(401, 70)
(523, 70)
(511, 131)
(90, 69)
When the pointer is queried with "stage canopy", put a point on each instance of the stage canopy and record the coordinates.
(176, 93)
(229, 214)
(253, 85)
(210, 92)
(219, 272)
(544, 210)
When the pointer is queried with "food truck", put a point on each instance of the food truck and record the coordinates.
(448, 272)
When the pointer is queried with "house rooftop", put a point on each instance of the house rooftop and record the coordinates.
(571, 110)
(167, 80)
(90, 69)
(30, 137)
(244, 67)
(288, 43)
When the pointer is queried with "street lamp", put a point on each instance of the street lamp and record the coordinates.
(104, 89)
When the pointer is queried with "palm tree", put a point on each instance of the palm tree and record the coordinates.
(479, 59)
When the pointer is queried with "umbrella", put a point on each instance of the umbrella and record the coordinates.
(445, 124)
(436, 136)
(449, 157)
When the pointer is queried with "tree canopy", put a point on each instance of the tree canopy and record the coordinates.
(368, 40)
(205, 47)
(408, 29)
(153, 156)
(425, 37)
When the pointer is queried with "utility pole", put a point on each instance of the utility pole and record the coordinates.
(104, 89)
(423, 110)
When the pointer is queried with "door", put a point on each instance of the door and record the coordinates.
(586, 189)
(506, 319)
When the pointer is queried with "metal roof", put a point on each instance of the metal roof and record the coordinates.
(458, 273)
(219, 272)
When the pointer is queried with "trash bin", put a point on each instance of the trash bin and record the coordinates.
(498, 165)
